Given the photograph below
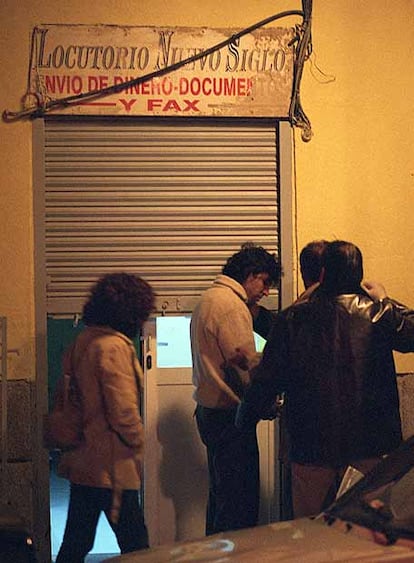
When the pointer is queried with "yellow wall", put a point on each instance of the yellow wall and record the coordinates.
(354, 179)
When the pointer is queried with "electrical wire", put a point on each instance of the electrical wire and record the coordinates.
(297, 116)
(327, 78)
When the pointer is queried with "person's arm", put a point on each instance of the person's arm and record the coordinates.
(398, 318)
(234, 333)
(269, 378)
(120, 393)
(374, 289)
(403, 321)
(262, 320)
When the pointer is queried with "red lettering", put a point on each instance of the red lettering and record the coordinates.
(97, 82)
(171, 104)
(127, 104)
(184, 85)
(153, 104)
(63, 84)
(92, 83)
(103, 81)
(50, 82)
(191, 105)
(145, 88)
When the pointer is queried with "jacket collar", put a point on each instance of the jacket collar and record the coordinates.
(226, 281)
(94, 331)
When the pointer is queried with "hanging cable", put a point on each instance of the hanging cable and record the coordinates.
(296, 115)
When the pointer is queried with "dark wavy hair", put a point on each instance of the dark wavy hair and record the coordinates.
(252, 259)
(343, 268)
(310, 260)
(329, 326)
(121, 301)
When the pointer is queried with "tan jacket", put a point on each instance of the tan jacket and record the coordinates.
(221, 324)
(106, 368)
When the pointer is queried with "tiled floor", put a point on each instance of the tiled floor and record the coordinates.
(105, 542)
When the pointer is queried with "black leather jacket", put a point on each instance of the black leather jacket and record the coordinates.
(333, 359)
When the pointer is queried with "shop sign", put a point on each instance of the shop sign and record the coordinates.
(127, 69)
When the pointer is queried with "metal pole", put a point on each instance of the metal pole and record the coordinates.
(4, 445)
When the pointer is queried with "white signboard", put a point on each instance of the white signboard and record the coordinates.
(251, 75)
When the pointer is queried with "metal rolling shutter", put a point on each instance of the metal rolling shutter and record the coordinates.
(168, 201)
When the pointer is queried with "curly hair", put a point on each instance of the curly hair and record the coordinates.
(121, 301)
(252, 259)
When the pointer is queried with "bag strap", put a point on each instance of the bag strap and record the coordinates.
(139, 380)
(73, 392)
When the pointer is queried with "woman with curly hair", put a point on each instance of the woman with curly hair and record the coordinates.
(105, 469)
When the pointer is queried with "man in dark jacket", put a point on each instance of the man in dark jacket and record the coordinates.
(333, 356)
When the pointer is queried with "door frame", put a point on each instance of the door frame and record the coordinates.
(287, 250)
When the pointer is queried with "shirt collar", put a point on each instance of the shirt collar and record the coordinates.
(226, 281)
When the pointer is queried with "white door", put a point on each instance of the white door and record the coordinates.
(175, 482)
(176, 476)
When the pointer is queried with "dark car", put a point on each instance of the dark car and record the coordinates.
(373, 520)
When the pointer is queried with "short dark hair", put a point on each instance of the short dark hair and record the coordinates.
(310, 260)
(343, 268)
(121, 301)
(252, 259)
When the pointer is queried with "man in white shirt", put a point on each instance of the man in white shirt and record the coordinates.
(221, 327)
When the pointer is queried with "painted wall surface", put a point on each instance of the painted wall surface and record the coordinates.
(354, 180)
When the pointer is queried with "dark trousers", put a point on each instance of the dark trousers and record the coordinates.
(233, 464)
(85, 507)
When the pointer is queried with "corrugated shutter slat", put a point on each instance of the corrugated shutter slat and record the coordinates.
(166, 201)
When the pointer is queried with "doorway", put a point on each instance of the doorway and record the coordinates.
(176, 473)
(169, 200)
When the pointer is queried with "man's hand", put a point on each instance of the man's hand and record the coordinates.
(374, 289)
(239, 359)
